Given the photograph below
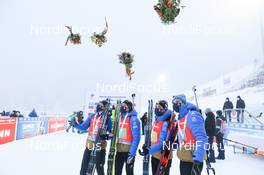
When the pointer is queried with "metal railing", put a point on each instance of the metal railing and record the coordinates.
(246, 149)
(242, 116)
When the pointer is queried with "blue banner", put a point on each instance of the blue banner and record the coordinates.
(30, 127)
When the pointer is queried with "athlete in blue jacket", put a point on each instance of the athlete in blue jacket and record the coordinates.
(92, 125)
(191, 132)
(128, 139)
(159, 135)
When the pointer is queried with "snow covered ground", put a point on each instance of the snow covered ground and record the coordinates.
(250, 137)
(61, 154)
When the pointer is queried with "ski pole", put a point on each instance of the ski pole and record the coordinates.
(208, 164)
(133, 99)
(195, 96)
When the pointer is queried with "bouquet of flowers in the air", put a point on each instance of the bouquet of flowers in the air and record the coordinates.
(99, 39)
(127, 59)
(168, 10)
(73, 38)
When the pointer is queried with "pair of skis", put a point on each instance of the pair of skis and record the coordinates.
(112, 151)
(148, 129)
(102, 130)
(167, 151)
(115, 132)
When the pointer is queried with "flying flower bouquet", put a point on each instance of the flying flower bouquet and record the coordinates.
(127, 59)
(168, 10)
(73, 38)
(100, 39)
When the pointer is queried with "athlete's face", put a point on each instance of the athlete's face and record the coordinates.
(159, 111)
(124, 108)
(100, 107)
(176, 105)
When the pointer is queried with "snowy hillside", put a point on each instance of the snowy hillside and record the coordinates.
(246, 82)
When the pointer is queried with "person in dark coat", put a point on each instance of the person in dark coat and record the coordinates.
(240, 107)
(13, 114)
(227, 108)
(210, 132)
(3, 113)
(220, 130)
(16, 114)
(80, 117)
(144, 120)
(219, 113)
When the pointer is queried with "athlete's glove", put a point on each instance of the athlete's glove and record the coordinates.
(130, 159)
(145, 151)
(106, 136)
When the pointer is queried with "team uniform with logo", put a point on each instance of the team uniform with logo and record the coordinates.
(158, 138)
(191, 136)
(128, 141)
(92, 125)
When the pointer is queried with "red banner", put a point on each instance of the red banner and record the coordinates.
(7, 130)
(57, 124)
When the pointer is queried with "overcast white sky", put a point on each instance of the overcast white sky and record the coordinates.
(210, 38)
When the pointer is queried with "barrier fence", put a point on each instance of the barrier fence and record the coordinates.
(12, 129)
(7, 130)
(242, 116)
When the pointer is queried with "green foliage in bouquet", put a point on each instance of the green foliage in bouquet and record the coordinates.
(100, 39)
(127, 59)
(168, 12)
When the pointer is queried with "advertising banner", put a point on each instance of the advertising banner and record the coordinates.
(30, 127)
(7, 130)
(57, 124)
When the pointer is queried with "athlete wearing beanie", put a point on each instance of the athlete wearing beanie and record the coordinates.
(128, 138)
